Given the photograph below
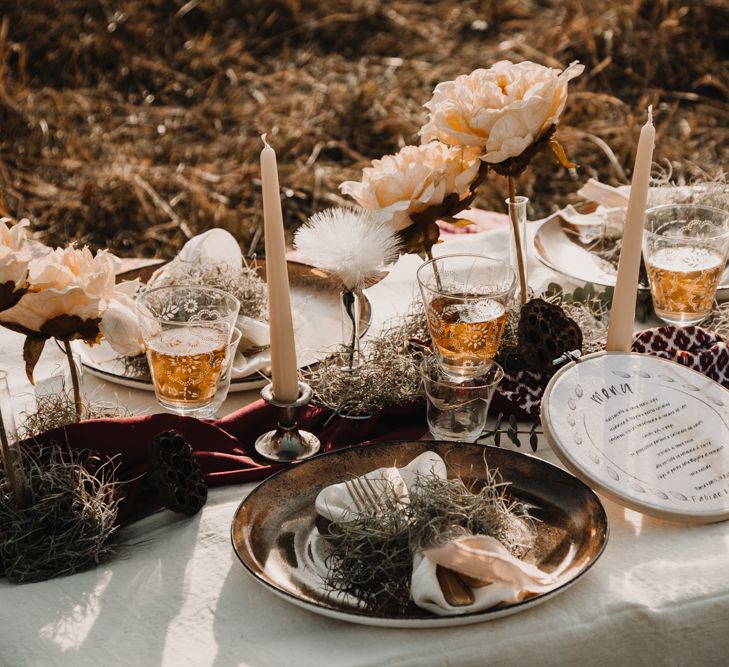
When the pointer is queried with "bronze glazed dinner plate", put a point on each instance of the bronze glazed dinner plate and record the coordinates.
(314, 295)
(274, 527)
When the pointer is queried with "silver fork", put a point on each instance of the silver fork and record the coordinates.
(364, 494)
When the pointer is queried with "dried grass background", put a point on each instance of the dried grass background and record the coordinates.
(133, 124)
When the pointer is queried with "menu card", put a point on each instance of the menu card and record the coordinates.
(647, 432)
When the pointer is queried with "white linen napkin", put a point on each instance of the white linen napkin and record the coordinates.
(612, 204)
(499, 577)
(495, 575)
(336, 503)
(609, 216)
(220, 247)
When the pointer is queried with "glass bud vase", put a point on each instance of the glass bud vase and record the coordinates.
(517, 210)
(8, 435)
(350, 359)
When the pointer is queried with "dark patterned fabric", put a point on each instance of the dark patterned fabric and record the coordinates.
(694, 347)
(521, 393)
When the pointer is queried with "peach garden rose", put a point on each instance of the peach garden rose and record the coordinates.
(73, 295)
(501, 110)
(414, 179)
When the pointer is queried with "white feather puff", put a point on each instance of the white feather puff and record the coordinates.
(353, 244)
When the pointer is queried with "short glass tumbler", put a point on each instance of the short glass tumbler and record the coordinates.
(466, 300)
(226, 375)
(685, 250)
(186, 330)
(457, 409)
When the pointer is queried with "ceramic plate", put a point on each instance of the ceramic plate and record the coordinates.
(314, 297)
(647, 432)
(562, 251)
(273, 527)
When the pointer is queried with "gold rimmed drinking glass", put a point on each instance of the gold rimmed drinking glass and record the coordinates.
(685, 249)
(187, 331)
(466, 300)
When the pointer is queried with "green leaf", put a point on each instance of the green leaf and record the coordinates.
(513, 423)
(554, 289)
(513, 437)
(534, 441)
(497, 438)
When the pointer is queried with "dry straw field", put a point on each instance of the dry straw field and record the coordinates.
(132, 124)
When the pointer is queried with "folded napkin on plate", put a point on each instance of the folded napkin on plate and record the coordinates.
(497, 576)
(494, 575)
(481, 221)
(223, 447)
(609, 216)
(700, 349)
(335, 502)
(219, 247)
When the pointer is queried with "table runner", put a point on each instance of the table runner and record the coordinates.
(223, 447)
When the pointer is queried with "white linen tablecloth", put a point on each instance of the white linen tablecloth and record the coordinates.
(176, 595)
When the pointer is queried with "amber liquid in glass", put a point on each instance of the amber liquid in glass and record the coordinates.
(466, 331)
(186, 363)
(683, 282)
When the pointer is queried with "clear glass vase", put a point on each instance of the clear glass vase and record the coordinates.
(59, 379)
(8, 435)
(517, 210)
(350, 358)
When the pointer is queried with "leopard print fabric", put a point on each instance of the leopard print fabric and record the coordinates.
(694, 347)
(706, 352)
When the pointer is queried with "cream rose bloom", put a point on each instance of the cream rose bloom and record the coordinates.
(70, 283)
(14, 257)
(65, 282)
(412, 180)
(501, 110)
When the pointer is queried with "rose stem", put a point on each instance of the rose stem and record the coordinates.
(429, 255)
(16, 485)
(517, 239)
(74, 380)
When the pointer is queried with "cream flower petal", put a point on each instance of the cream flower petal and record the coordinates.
(65, 282)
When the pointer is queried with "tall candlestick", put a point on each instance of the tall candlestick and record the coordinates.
(284, 369)
(622, 314)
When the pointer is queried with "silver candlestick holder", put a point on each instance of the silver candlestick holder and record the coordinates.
(286, 442)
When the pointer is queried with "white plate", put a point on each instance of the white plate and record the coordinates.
(315, 302)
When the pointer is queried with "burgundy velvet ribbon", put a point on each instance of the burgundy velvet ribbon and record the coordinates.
(224, 447)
